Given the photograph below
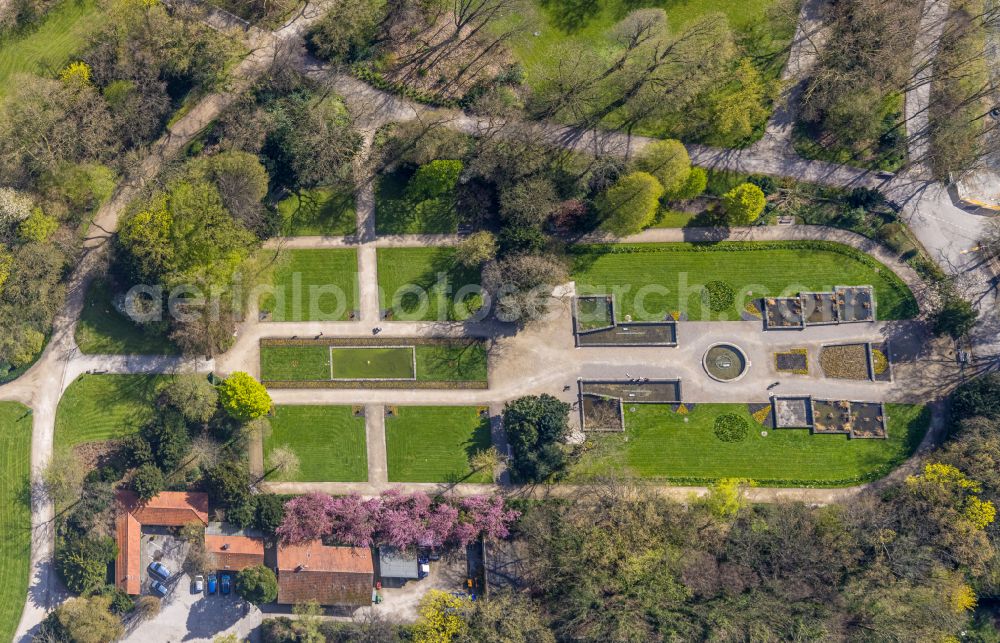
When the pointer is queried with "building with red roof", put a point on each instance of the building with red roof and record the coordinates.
(336, 576)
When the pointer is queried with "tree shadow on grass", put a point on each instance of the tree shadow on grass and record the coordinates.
(572, 15)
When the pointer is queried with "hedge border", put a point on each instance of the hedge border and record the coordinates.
(479, 385)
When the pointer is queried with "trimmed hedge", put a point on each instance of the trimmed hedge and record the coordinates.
(378, 384)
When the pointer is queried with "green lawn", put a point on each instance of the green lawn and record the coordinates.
(459, 362)
(103, 407)
(664, 445)
(313, 285)
(372, 363)
(434, 444)
(329, 440)
(394, 214)
(295, 363)
(47, 49)
(326, 212)
(105, 331)
(652, 280)
(15, 514)
(554, 25)
(422, 284)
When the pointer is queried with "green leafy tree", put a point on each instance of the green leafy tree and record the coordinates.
(38, 227)
(434, 180)
(243, 397)
(147, 481)
(257, 585)
(89, 620)
(6, 265)
(668, 161)
(630, 205)
(82, 561)
(955, 317)
(193, 396)
(242, 182)
(345, 31)
(168, 438)
(477, 249)
(737, 110)
(270, 511)
(506, 617)
(536, 428)
(693, 187)
(977, 397)
(528, 203)
(228, 484)
(744, 204)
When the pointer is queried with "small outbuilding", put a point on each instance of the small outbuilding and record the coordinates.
(229, 548)
(396, 563)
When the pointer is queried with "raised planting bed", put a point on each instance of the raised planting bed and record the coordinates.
(845, 361)
(795, 361)
(593, 313)
(599, 413)
(373, 362)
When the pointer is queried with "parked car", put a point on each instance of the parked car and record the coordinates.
(225, 583)
(213, 584)
(159, 569)
(159, 588)
(198, 584)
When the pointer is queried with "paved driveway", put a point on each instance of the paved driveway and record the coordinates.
(186, 616)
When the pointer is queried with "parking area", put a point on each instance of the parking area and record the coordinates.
(399, 602)
(186, 615)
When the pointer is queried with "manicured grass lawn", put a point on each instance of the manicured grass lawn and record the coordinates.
(434, 444)
(329, 440)
(374, 362)
(45, 50)
(394, 214)
(674, 276)
(421, 284)
(664, 445)
(103, 407)
(325, 212)
(15, 514)
(295, 363)
(314, 285)
(459, 362)
(105, 331)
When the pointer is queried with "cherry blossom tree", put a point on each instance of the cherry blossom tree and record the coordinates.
(355, 520)
(404, 517)
(489, 516)
(440, 526)
(307, 518)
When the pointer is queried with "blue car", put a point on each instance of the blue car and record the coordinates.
(225, 583)
(159, 588)
(159, 569)
(213, 584)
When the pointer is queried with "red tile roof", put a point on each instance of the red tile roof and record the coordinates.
(233, 552)
(328, 575)
(169, 509)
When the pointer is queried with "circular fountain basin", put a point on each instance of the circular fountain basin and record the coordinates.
(725, 362)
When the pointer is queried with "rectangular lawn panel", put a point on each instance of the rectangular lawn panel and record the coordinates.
(651, 281)
(105, 331)
(294, 363)
(15, 514)
(61, 33)
(96, 408)
(372, 363)
(377, 362)
(434, 444)
(661, 444)
(423, 284)
(314, 285)
(325, 211)
(460, 362)
(329, 441)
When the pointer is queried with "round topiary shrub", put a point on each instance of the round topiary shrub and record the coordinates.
(719, 296)
(730, 427)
